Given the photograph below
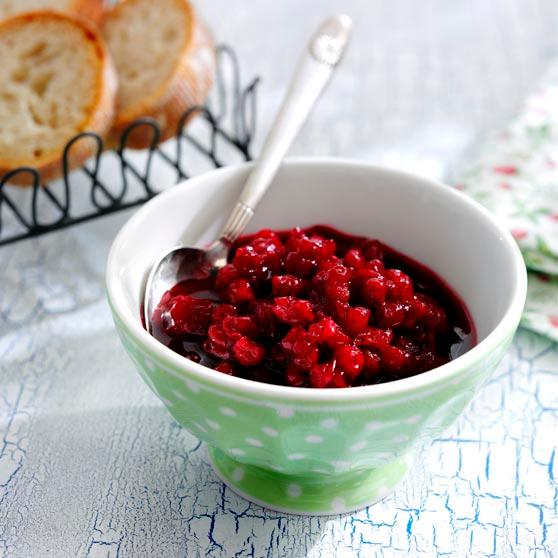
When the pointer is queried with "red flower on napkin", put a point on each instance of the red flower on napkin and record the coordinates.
(509, 170)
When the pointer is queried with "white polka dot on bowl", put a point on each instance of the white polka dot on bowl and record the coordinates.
(358, 446)
(285, 412)
(192, 386)
(373, 426)
(329, 423)
(238, 474)
(212, 424)
(271, 432)
(294, 490)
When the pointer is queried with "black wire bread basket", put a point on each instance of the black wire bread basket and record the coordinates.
(221, 133)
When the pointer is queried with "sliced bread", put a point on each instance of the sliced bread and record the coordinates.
(89, 9)
(165, 60)
(56, 80)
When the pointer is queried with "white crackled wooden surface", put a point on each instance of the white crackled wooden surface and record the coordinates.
(90, 462)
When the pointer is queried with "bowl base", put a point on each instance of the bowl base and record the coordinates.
(313, 494)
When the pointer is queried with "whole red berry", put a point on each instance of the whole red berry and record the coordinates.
(375, 265)
(339, 380)
(225, 276)
(247, 352)
(295, 376)
(221, 311)
(349, 359)
(321, 375)
(259, 259)
(187, 315)
(374, 291)
(296, 264)
(286, 285)
(392, 314)
(316, 247)
(400, 286)
(218, 342)
(355, 320)
(240, 292)
(265, 318)
(328, 332)
(395, 359)
(425, 311)
(332, 261)
(245, 325)
(307, 357)
(293, 311)
(372, 364)
(300, 348)
(374, 338)
(354, 258)
(334, 284)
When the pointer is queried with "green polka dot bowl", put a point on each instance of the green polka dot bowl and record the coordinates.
(320, 451)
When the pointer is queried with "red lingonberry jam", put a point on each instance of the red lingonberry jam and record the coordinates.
(316, 308)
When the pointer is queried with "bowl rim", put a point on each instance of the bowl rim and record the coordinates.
(194, 371)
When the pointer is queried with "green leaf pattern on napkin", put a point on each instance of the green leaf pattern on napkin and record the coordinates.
(517, 179)
(541, 310)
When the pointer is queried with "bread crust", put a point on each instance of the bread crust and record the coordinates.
(99, 117)
(92, 10)
(187, 87)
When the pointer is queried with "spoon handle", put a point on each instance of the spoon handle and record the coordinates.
(324, 52)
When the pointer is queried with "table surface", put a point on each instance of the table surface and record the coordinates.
(91, 464)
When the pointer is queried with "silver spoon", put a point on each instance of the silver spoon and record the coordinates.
(324, 52)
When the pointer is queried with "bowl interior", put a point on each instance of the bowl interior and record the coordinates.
(429, 222)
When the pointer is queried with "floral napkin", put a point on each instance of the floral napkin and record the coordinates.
(517, 179)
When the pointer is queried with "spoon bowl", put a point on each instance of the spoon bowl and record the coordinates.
(180, 264)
